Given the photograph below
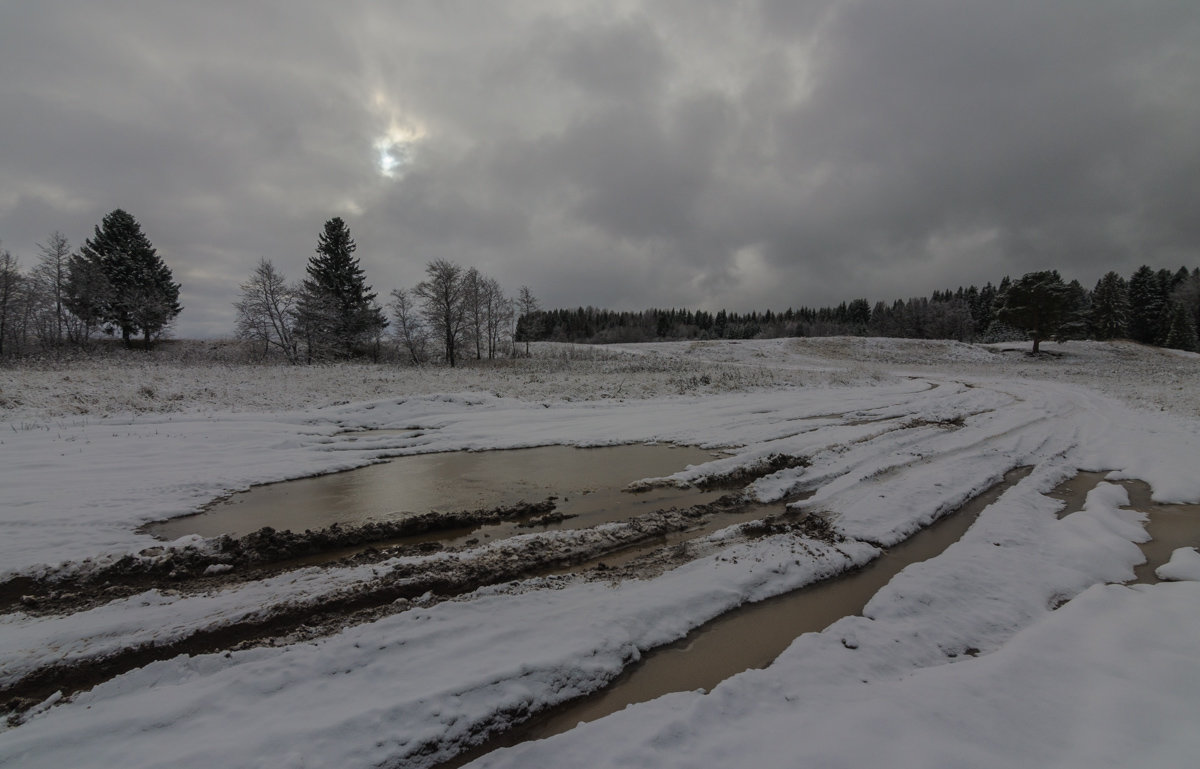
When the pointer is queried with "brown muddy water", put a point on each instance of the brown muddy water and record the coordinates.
(751, 636)
(588, 483)
(1170, 526)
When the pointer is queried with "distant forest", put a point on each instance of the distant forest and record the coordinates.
(1159, 307)
(116, 284)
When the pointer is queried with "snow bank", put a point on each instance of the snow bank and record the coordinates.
(1183, 566)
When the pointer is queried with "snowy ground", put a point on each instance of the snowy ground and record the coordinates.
(1013, 647)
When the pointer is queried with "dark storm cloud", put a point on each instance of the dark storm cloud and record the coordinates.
(683, 152)
(1029, 119)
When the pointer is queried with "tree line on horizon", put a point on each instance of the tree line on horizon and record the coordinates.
(1156, 307)
(116, 284)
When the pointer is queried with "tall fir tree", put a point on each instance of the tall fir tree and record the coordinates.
(337, 314)
(1079, 309)
(122, 282)
(1110, 307)
(1146, 305)
(1187, 293)
(1182, 332)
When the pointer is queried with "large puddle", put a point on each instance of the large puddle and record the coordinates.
(748, 637)
(588, 483)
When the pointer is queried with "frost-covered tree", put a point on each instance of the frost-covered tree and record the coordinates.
(336, 311)
(1187, 293)
(983, 307)
(1146, 305)
(1037, 304)
(141, 295)
(1075, 320)
(1109, 317)
(1182, 333)
(266, 311)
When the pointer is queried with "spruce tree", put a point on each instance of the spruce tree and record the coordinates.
(1146, 305)
(337, 314)
(1110, 307)
(1079, 308)
(137, 293)
(1182, 332)
(1187, 293)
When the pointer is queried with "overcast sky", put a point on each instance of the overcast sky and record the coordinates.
(688, 153)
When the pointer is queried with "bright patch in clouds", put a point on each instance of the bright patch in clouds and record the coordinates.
(396, 147)
(392, 156)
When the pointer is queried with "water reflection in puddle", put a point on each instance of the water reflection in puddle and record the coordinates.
(587, 482)
(751, 636)
(1169, 526)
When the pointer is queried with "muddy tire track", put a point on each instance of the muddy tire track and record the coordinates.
(436, 578)
(437, 574)
(227, 560)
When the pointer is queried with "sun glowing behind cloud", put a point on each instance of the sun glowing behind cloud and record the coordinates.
(395, 149)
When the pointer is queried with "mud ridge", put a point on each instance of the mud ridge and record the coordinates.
(223, 560)
(806, 523)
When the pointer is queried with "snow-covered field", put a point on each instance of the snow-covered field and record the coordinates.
(1017, 646)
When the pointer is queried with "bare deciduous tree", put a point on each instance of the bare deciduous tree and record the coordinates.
(474, 312)
(499, 314)
(50, 277)
(409, 329)
(528, 307)
(87, 293)
(441, 295)
(266, 309)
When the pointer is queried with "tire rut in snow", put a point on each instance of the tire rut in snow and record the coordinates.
(428, 581)
(227, 560)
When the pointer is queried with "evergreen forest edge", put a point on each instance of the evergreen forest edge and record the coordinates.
(115, 284)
